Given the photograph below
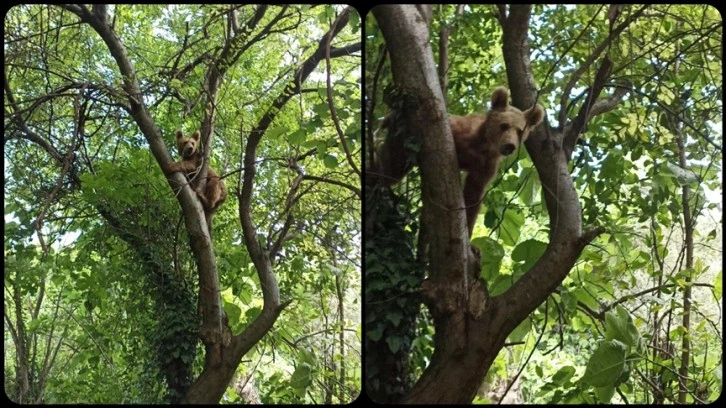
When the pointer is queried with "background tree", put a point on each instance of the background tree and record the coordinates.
(101, 288)
(633, 100)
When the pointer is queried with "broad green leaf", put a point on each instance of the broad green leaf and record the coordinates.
(528, 252)
(619, 326)
(511, 226)
(491, 256)
(606, 364)
(297, 137)
(563, 375)
(394, 316)
(277, 131)
(394, 343)
(233, 312)
(520, 331)
(330, 161)
(605, 394)
(301, 378)
(375, 334)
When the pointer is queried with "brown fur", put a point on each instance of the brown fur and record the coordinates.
(215, 191)
(480, 140)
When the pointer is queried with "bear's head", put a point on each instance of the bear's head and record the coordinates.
(506, 125)
(187, 145)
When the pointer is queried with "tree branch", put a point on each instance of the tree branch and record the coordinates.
(607, 104)
(350, 187)
(272, 306)
(574, 129)
(345, 51)
(564, 97)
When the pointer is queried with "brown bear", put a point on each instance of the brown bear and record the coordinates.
(480, 140)
(215, 192)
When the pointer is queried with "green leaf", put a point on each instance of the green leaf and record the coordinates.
(563, 375)
(330, 161)
(394, 316)
(307, 356)
(275, 132)
(528, 252)
(233, 312)
(492, 254)
(606, 364)
(321, 108)
(511, 225)
(520, 331)
(394, 343)
(529, 190)
(297, 137)
(619, 326)
(375, 334)
(301, 378)
(605, 394)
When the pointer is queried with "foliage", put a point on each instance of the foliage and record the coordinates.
(392, 276)
(101, 285)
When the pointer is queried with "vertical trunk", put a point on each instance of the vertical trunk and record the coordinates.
(341, 345)
(444, 34)
(688, 223)
(688, 229)
(21, 347)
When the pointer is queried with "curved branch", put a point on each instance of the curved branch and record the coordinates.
(344, 51)
(607, 104)
(350, 187)
(272, 306)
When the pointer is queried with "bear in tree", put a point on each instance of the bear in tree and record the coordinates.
(481, 142)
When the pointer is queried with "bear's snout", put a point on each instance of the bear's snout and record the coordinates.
(188, 151)
(507, 149)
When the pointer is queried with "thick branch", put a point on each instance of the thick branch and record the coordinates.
(545, 147)
(272, 305)
(572, 133)
(516, 56)
(344, 51)
(607, 104)
(412, 66)
(423, 111)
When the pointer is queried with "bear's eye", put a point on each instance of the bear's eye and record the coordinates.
(503, 127)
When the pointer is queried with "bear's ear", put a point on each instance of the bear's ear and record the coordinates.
(534, 115)
(195, 135)
(500, 98)
(179, 134)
